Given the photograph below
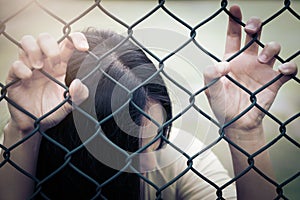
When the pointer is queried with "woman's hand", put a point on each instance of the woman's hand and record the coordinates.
(35, 92)
(38, 95)
(252, 69)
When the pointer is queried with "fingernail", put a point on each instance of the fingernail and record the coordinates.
(284, 68)
(263, 58)
(251, 27)
(39, 64)
(84, 45)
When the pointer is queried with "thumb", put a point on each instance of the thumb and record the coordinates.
(289, 70)
(211, 74)
(78, 91)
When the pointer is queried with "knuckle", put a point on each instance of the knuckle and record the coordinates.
(16, 65)
(45, 39)
(210, 71)
(34, 50)
(55, 58)
(26, 38)
(68, 44)
(43, 36)
(28, 43)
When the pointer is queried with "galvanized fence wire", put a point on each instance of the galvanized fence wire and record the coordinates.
(67, 28)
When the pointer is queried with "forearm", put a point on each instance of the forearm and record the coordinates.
(251, 185)
(14, 184)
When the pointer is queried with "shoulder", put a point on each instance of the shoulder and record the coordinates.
(187, 161)
(200, 163)
(185, 150)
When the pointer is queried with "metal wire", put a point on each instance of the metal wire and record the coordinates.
(194, 30)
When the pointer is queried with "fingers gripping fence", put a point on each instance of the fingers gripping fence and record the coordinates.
(193, 31)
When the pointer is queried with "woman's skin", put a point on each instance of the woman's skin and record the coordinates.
(43, 53)
(251, 68)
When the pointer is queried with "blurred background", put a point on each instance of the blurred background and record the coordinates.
(186, 67)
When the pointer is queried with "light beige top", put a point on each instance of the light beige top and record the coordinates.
(162, 166)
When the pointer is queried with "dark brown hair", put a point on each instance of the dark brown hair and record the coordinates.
(71, 180)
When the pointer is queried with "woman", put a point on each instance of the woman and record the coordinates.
(35, 155)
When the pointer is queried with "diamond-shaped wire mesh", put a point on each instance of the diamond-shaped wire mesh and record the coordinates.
(285, 127)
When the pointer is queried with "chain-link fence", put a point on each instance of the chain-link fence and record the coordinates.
(285, 128)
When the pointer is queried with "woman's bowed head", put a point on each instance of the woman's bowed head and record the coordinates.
(133, 130)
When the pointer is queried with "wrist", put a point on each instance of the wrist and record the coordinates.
(250, 140)
(243, 134)
(12, 134)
